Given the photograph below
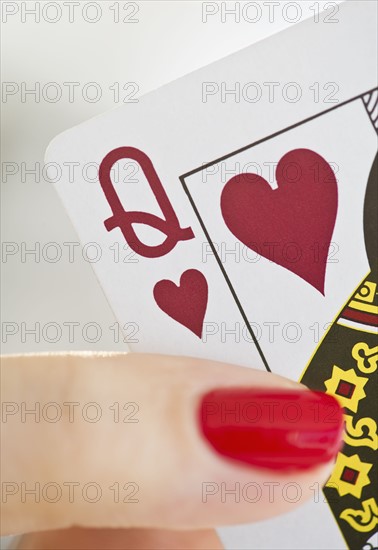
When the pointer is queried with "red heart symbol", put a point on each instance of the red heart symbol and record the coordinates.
(185, 303)
(291, 225)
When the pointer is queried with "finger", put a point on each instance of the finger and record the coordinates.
(155, 443)
(121, 539)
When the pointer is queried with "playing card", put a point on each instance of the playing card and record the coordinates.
(230, 209)
(287, 228)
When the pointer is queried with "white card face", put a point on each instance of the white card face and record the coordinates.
(180, 127)
(162, 203)
(288, 313)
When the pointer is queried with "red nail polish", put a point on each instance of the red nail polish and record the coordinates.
(277, 429)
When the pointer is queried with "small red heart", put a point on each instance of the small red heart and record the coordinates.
(291, 225)
(185, 303)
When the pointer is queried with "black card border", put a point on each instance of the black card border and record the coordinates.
(203, 226)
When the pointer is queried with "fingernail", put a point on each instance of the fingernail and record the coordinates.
(276, 429)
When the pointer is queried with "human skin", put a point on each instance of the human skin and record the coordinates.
(163, 454)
